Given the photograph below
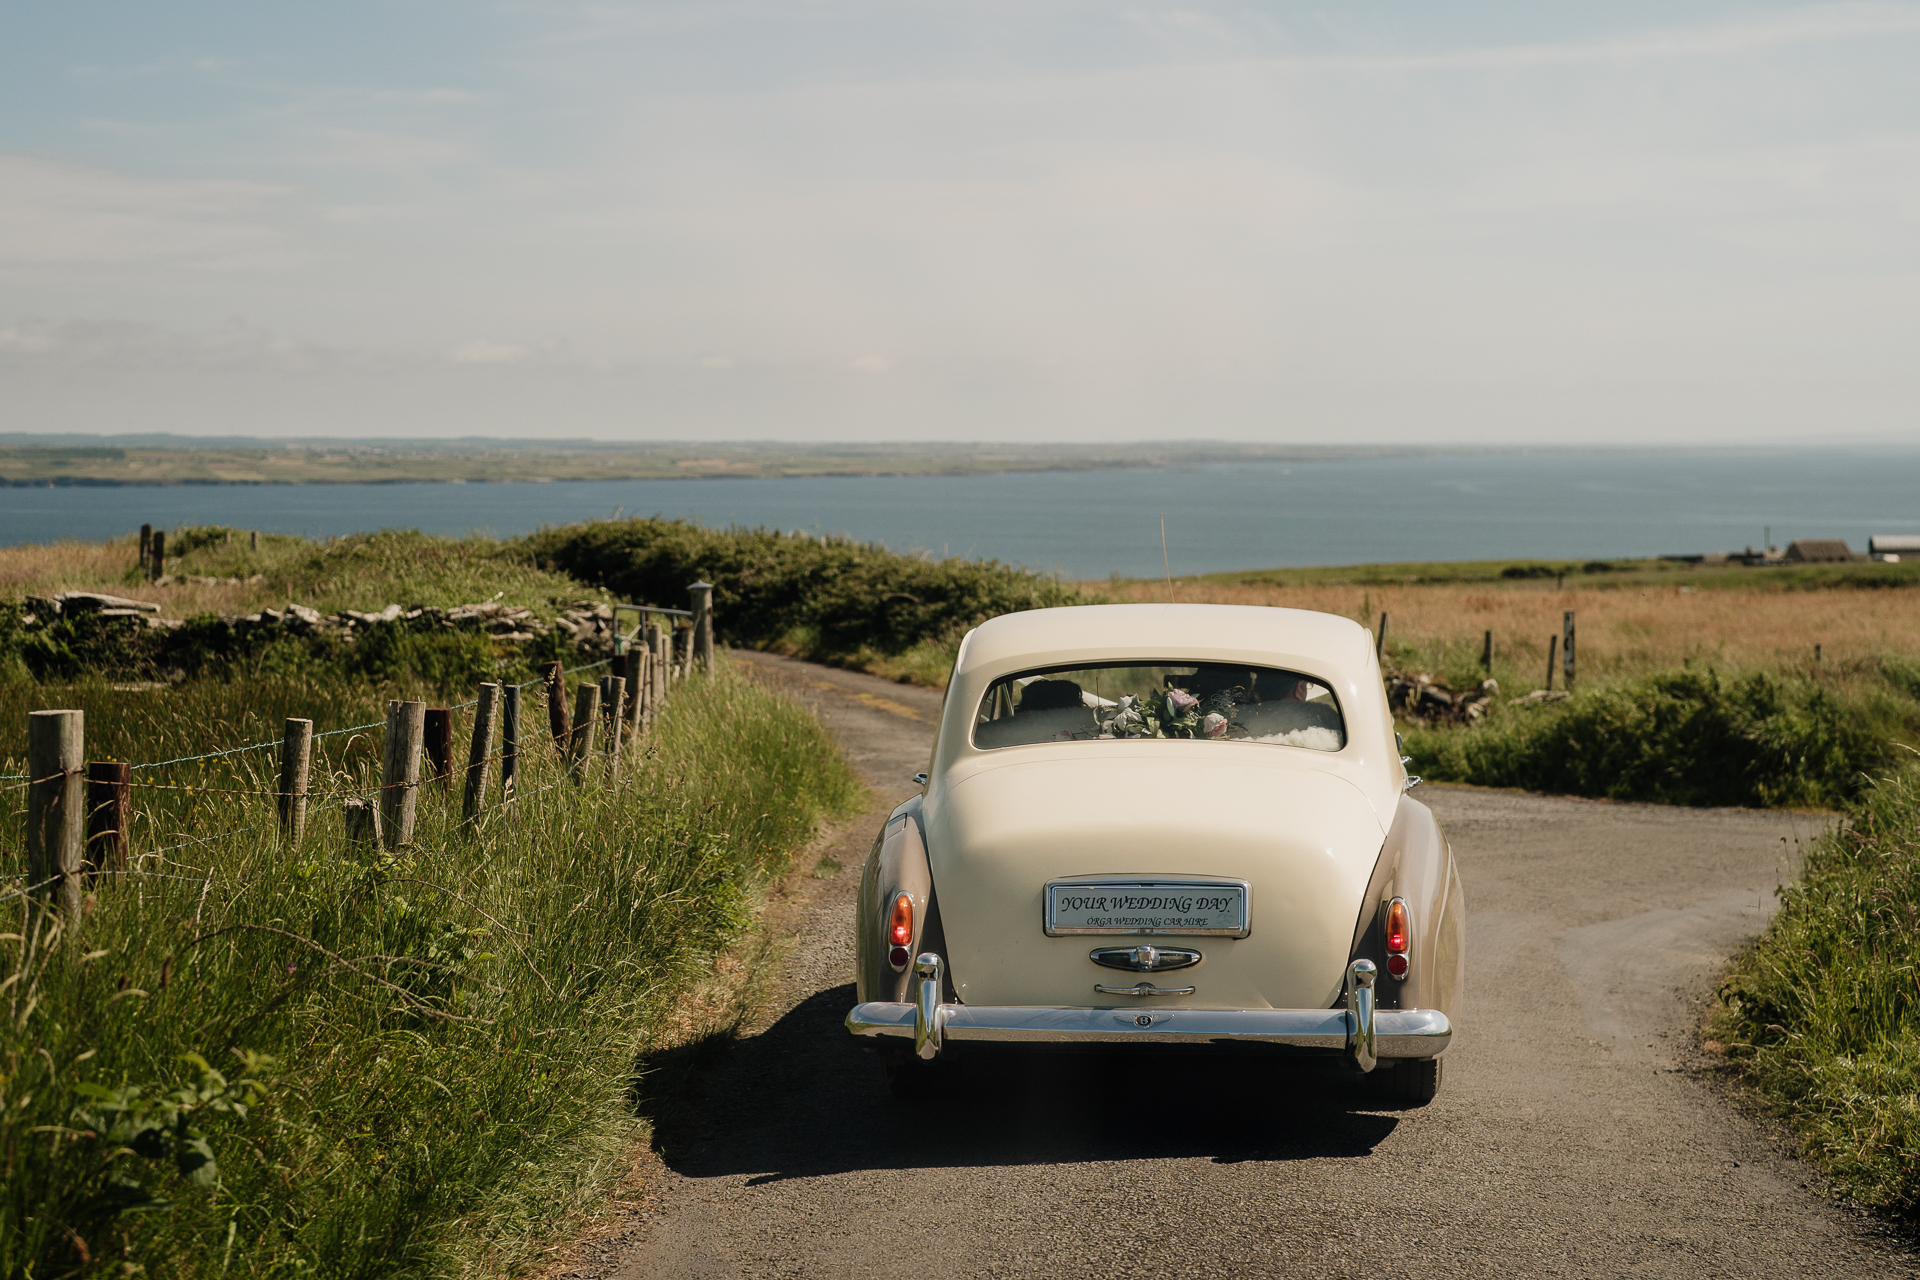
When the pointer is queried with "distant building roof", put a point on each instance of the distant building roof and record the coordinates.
(1818, 550)
(1880, 543)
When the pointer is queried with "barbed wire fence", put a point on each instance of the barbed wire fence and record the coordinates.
(79, 814)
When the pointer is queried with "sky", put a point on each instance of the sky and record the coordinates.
(1382, 221)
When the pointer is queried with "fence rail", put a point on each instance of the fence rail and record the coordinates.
(78, 812)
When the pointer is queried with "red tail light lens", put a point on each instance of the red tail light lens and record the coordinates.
(1397, 931)
(1399, 938)
(900, 923)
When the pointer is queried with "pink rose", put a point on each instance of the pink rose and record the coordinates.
(1214, 726)
(1179, 701)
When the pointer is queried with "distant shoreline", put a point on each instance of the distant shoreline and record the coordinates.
(158, 461)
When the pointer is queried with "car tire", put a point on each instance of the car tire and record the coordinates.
(1406, 1084)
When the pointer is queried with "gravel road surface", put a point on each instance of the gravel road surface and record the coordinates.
(1575, 1134)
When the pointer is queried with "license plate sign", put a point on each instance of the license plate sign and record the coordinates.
(1215, 907)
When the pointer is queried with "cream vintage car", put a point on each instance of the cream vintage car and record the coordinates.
(1149, 825)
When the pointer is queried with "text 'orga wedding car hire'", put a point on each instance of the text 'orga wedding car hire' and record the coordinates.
(1164, 825)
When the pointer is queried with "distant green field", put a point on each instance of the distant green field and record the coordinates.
(1581, 574)
(184, 460)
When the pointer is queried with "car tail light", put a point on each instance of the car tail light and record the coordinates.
(1399, 938)
(900, 929)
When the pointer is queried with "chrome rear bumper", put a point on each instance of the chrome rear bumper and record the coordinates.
(1397, 1033)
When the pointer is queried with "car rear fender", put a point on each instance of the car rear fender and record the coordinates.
(897, 864)
(1416, 864)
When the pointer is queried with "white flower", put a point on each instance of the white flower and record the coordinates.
(1214, 726)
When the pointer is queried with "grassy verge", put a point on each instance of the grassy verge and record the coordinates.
(247, 1061)
(1822, 1014)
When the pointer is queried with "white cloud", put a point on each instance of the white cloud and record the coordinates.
(56, 213)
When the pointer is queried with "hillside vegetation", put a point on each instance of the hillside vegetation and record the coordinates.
(1697, 685)
(831, 599)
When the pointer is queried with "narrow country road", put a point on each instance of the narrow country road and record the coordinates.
(1575, 1135)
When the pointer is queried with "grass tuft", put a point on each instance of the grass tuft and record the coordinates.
(1822, 1014)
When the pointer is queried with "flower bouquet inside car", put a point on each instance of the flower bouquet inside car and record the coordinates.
(1173, 713)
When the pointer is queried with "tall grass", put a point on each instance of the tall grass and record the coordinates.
(1742, 624)
(245, 1060)
(1822, 1013)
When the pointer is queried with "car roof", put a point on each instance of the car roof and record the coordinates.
(1322, 643)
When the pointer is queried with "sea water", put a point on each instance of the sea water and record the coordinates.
(1089, 524)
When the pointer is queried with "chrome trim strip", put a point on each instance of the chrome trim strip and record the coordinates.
(1361, 1016)
(1147, 882)
(929, 1015)
(1397, 1033)
(1145, 958)
(1143, 989)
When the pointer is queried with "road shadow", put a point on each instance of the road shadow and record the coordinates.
(803, 1099)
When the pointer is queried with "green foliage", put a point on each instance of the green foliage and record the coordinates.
(1678, 737)
(834, 598)
(167, 1128)
(1822, 1013)
(332, 1062)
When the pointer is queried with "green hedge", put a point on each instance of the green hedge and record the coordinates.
(1681, 737)
(829, 598)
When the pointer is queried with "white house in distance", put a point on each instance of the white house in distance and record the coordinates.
(1891, 546)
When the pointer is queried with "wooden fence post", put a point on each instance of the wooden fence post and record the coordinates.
(630, 708)
(296, 765)
(1553, 643)
(146, 546)
(555, 676)
(56, 805)
(363, 821)
(400, 771)
(586, 710)
(616, 721)
(1566, 648)
(701, 642)
(509, 740)
(157, 556)
(480, 754)
(1486, 653)
(109, 806)
(657, 652)
(1380, 641)
(253, 540)
(439, 738)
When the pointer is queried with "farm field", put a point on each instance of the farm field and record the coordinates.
(1630, 623)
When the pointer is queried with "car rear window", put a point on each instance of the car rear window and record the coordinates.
(1203, 701)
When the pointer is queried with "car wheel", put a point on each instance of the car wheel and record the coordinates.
(1409, 1083)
